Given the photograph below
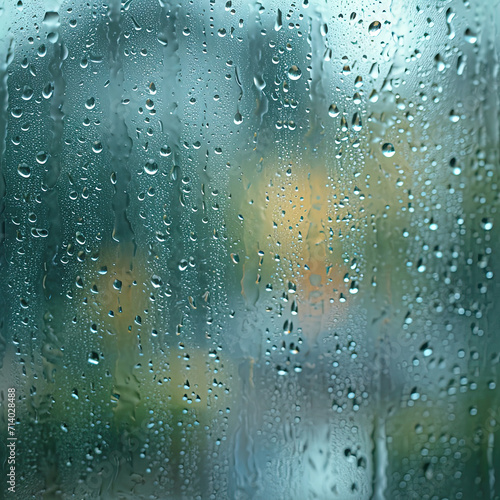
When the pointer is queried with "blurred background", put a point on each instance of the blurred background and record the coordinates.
(248, 250)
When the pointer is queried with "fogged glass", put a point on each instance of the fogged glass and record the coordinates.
(249, 250)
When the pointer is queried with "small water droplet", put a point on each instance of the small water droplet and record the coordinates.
(388, 150)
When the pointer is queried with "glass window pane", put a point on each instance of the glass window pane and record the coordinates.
(248, 250)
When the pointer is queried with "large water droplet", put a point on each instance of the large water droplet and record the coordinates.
(42, 157)
(374, 28)
(333, 111)
(23, 170)
(151, 167)
(294, 72)
(470, 36)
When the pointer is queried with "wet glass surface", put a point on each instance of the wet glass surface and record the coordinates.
(249, 250)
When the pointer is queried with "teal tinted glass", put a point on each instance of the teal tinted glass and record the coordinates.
(249, 249)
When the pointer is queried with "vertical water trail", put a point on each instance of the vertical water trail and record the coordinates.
(317, 93)
(119, 141)
(256, 63)
(52, 281)
(380, 455)
(380, 458)
(491, 464)
(246, 467)
(6, 59)
(171, 75)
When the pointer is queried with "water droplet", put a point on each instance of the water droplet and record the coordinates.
(374, 28)
(454, 117)
(486, 224)
(388, 150)
(373, 97)
(97, 147)
(470, 36)
(151, 167)
(117, 285)
(165, 150)
(80, 238)
(238, 118)
(333, 111)
(294, 72)
(27, 93)
(90, 104)
(357, 125)
(440, 65)
(23, 170)
(42, 157)
(455, 167)
(93, 358)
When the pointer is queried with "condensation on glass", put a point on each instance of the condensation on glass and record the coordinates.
(249, 250)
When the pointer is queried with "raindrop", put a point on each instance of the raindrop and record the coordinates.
(294, 72)
(165, 150)
(455, 168)
(238, 118)
(374, 28)
(486, 224)
(388, 150)
(440, 65)
(93, 358)
(333, 111)
(151, 167)
(454, 117)
(42, 157)
(470, 36)
(23, 170)
(27, 93)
